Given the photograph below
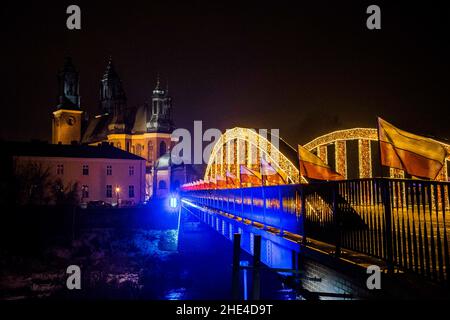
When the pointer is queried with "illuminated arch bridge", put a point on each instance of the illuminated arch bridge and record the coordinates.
(354, 153)
(372, 217)
(243, 146)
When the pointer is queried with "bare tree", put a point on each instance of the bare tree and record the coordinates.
(65, 195)
(33, 184)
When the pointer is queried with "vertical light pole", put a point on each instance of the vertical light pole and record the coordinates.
(256, 267)
(117, 194)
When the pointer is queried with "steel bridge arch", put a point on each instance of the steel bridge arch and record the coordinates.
(364, 137)
(283, 157)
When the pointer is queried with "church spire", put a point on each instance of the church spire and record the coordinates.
(157, 82)
(112, 95)
(160, 110)
(67, 118)
(158, 91)
(110, 72)
(68, 86)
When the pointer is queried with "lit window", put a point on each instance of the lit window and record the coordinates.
(85, 170)
(162, 148)
(130, 191)
(109, 191)
(60, 169)
(138, 149)
(109, 170)
(84, 191)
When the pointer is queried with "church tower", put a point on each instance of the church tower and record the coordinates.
(113, 100)
(112, 96)
(67, 118)
(161, 111)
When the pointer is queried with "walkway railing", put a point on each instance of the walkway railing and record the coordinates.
(403, 222)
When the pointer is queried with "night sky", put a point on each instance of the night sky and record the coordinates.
(304, 68)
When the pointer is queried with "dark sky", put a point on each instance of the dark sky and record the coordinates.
(305, 67)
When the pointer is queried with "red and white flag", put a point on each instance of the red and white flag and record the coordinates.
(270, 175)
(232, 181)
(221, 182)
(250, 177)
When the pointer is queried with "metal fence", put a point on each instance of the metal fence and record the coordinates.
(404, 222)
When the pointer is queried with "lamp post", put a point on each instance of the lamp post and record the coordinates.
(117, 194)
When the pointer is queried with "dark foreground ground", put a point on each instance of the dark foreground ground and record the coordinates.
(131, 254)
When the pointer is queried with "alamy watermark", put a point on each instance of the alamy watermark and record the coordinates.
(73, 21)
(74, 279)
(189, 148)
(374, 280)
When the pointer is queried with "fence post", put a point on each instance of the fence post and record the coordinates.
(236, 264)
(337, 220)
(245, 264)
(242, 202)
(256, 267)
(264, 203)
(388, 223)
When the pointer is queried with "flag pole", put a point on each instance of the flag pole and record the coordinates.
(240, 182)
(261, 172)
(262, 185)
(300, 176)
(379, 145)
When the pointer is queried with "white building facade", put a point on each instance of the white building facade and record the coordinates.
(103, 173)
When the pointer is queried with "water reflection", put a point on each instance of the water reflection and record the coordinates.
(176, 294)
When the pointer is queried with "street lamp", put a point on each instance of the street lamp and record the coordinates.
(117, 194)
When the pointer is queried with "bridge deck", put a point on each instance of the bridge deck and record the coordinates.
(402, 225)
(351, 263)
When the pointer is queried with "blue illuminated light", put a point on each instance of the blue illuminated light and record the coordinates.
(173, 202)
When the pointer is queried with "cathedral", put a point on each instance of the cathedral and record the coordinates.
(144, 131)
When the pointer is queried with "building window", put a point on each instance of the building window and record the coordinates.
(84, 191)
(85, 170)
(58, 187)
(162, 148)
(138, 149)
(130, 191)
(109, 170)
(109, 191)
(162, 185)
(131, 170)
(150, 151)
(60, 169)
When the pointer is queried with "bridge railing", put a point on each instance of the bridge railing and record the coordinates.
(404, 222)
(276, 207)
